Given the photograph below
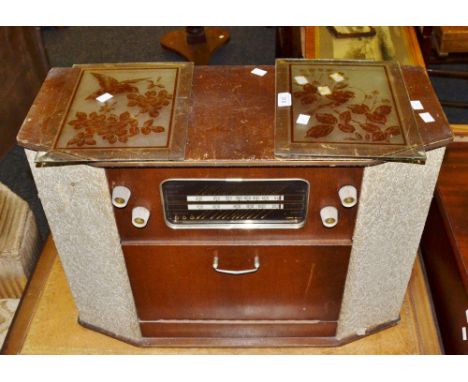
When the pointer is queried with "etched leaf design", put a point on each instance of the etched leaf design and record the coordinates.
(326, 118)
(346, 128)
(370, 128)
(383, 110)
(376, 118)
(359, 109)
(309, 88)
(308, 99)
(378, 136)
(318, 131)
(124, 116)
(158, 129)
(341, 85)
(148, 123)
(345, 117)
(109, 127)
(393, 130)
(340, 96)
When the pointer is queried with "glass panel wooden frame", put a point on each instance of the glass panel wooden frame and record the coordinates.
(125, 112)
(345, 109)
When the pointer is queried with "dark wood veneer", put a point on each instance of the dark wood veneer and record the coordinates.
(324, 185)
(296, 292)
(292, 283)
(293, 292)
(445, 248)
(232, 117)
(228, 330)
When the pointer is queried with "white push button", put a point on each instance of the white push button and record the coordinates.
(140, 216)
(120, 196)
(348, 196)
(329, 216)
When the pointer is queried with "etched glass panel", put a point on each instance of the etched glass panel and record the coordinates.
(125, 112)
(345, 109)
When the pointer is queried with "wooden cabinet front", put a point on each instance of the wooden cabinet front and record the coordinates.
(145, 184)
(238, 283)
(174, 283)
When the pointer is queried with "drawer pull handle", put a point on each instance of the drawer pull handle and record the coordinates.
(235, 272)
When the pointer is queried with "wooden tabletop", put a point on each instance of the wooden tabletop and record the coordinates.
(451, 196)
(46, 323)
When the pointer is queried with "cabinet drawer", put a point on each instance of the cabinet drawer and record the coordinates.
(276, 282)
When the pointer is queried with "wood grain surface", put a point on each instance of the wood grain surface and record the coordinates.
(445, 248)
(324, 185)
(199, 51)
(23, 66)
(452, 197)
(451, 39)
(47, 323)
(232, 118)
(293, 291)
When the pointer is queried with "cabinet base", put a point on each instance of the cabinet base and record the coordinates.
(238, 341)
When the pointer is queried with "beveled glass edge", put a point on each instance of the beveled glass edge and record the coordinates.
(177, 139)
(285, 149)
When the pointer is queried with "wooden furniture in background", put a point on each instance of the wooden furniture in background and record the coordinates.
(23, 66)
(288, 42)
(445, 45)
(451, 39)
(399, 44)
(46, 323)
(445, 249)
(196, 44)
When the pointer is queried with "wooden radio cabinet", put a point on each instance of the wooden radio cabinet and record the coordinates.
(197, 207)
(270, 282)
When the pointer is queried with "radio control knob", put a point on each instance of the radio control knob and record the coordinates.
(329, 216)
(348, 196)
(140, 217)
(120, 196)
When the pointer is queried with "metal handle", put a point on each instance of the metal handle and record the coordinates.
(233, 272)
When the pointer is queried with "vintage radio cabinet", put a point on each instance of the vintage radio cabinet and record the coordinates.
(209, 206)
